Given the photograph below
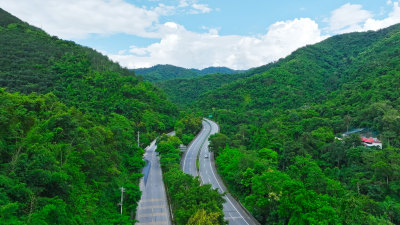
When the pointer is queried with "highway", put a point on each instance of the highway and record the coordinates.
(189, 159)
(153, 205)
(234, 213)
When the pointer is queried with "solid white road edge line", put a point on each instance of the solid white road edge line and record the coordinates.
(222, 190)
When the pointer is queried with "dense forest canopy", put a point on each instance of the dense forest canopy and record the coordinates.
(68, 123)
(278, 152)
(60, 167)
(159, 73)
(32, 61)
(69, 118)
(191, 90)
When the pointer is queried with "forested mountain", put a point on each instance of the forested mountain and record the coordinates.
(68, 123)
(307, 75)
(69, 117)
(184, 92)
(165, 72)
(190, 90)
(213, 69)
(278, 152)
(168, 72)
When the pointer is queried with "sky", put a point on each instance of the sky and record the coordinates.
(201, 33)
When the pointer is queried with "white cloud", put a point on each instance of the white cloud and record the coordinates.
(347, 18)
(393, 18)
(183, 3)
(350, 18)
(200, 8)
(78, 19)
(194, 50)
(194, 7)
(164, 10)
(181, 47)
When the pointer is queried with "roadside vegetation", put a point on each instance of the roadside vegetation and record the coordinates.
(278, 152)
(68, 124)
(69, 119)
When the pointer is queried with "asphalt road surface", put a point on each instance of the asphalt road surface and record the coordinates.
(233, 211)
(153, 205)
(189, 159)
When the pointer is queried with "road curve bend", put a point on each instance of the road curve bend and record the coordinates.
(234, 212)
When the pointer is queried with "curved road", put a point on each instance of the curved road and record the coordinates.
(189, 159)
(153, 205)
(233, 211)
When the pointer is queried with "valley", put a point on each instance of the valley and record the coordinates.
(86, 141)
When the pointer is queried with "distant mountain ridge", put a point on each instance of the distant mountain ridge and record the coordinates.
(191, 89)
(213, 69)
(168, 72)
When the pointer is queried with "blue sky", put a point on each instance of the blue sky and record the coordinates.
(235, 18)
(201, 33)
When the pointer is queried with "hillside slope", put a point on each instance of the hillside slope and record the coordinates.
(32, 61)
(280, 155)
(327, 60)
(307, 75)
(214, 69)
(159, 73)
(191, 90)
(165, 72)
(68, 130)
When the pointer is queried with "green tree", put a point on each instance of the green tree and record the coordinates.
(201, 217)
(218, 142)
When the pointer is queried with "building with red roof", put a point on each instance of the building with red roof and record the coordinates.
(371, 142)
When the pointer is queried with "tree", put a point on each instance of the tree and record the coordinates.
(218, 142)
(265, 196)
(201, 217)
(302, 206)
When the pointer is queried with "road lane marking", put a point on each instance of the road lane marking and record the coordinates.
(153, 215)
(190, 148)
(151, 207)
(222, 190)
(153, 223)
(203, 135)
(153, 200)
(232, 217)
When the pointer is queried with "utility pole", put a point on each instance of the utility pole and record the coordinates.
(122, 197)
(138, 138)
